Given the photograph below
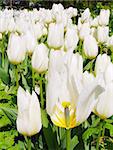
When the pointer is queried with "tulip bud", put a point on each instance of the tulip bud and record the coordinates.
(84, 31)
(104, 103)
(30, 41)
(90, 47)
(40, 58)
(29, 115)
(104, 17)
(71, 38)
(55, 35)
(94, 22)
(85, 15)
(16, 49)
(102, 34)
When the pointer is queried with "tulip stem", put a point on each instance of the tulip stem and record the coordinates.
(16, 74)
(41, 93)
(68, 139)
(3, 59)
(33, 78)
(29, 143)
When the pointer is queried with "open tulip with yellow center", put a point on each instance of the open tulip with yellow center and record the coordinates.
(69, 99)
(29, 115)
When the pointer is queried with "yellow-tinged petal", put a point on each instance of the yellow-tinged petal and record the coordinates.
(64, 115)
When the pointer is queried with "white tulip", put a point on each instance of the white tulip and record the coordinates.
(85, 17)
(29, 114)
(84, 30)
(71, 38)
(94, 22)
(16, 49)
(90, 47)
(71, 12)
(30, 41)
(102, 34)
(94, 32)
(104, 17)
(55, 35)
(60, 100)
(40, 58)
(104, 105)
(104, 68)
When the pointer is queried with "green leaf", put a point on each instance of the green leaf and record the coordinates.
(7, 139)
(51, 138)
(74, 142)
(89, 132)
(4, 76)
(45, 121)
(110, 128)
(10, 113)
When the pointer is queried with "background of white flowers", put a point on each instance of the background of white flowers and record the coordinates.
(84, 136)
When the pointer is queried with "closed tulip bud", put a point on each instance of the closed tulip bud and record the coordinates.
(84, 31)
(90, 47)
(94, 22)
(30, 41)
(102, 34)
(29, 115)
(104, 17)
(55, 35)
(71, 38)
(85, 15)
(16, 49)
(40, 58)
(104, 103)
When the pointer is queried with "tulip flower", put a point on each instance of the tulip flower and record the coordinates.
(94, 22)
(30, 41)
(84, 30)
(40, 58)
(85, 17)
(90, 47)
(65, 111)
(55, 35)
(71, 38)
(16, 49)
(102, 34)
(104, 17)
(29, 115)
(104, 102)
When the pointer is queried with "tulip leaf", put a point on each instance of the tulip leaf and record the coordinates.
(4, 76)
(74, 142)
(110, 128)
(51, 138)
(45, 121)
(89, 132)
(10, 113)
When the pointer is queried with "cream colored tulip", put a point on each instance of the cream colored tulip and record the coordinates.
(16, 49)
(40, 58)
(29, 114)
(102, 34)
(71, 38)
(55, 35)
(104, 17)
(85, 17)
(90, 47)
(84, 30)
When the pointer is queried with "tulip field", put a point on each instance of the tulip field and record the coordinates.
(56, 78)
